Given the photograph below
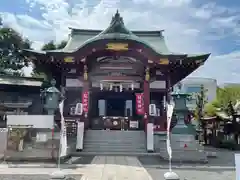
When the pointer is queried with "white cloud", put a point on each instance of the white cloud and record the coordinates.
(222, 67)
(187, 28)
(165, 3)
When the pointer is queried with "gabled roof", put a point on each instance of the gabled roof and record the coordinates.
(116, 30)
(153, 41)
(21, 81)
(79, 38)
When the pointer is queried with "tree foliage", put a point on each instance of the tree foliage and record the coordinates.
(11, 45)
(49, 46)
(52, 46)
(61, 45)
(201, 101)
(210, 110)
(226, 98)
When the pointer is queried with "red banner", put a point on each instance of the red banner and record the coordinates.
(139, 104)
(85, 101)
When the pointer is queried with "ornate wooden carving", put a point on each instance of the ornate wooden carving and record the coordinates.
(147, 74)
(117, 46)
(69, 59)
(85, 74)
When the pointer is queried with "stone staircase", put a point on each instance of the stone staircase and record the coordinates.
(109, 142)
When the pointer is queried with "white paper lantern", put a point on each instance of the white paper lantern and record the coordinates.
(132, 86)
(79, 109)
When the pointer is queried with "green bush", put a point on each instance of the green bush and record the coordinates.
(228, 144)
(216, 142)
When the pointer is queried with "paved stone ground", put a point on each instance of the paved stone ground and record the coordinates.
(224, 157)
(35, 177)
(191, 174)
(120, 168)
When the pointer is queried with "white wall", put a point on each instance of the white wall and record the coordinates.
(158, 85)
(36, 121)
(208, 83)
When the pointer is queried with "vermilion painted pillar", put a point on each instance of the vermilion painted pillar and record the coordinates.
(85, 101)
(146, 96)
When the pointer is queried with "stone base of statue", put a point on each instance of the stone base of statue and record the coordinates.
(185, 149)
(58, 175)
(171, 176)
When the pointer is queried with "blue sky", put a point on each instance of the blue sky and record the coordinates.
(191, 26)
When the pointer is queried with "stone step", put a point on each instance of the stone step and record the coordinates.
(115, 145)
(114, 134)
(77, 154)
(116, 137)
(112, 137)
(106, 134)
(115, 150)
(114, 131)
(117, 142)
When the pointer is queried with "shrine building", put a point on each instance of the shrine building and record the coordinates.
(116, 74)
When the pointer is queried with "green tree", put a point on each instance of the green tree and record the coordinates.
(61, 45)
(49, 46)
(224, 97)
(225, 101)
(228, 97)
(201, 101)
(210, 110)
(52, 46)
(47, 78)
(11, 57)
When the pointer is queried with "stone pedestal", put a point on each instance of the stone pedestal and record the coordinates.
(171, 176)
(58, 175)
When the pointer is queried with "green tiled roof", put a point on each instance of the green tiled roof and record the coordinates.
(116, 30)
(156, 43)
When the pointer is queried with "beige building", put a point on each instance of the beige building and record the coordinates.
(193, 85)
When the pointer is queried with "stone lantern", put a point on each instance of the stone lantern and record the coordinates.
(51, 97)
(180, 122)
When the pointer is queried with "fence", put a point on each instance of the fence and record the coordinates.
(22, 141)
(31, 143)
